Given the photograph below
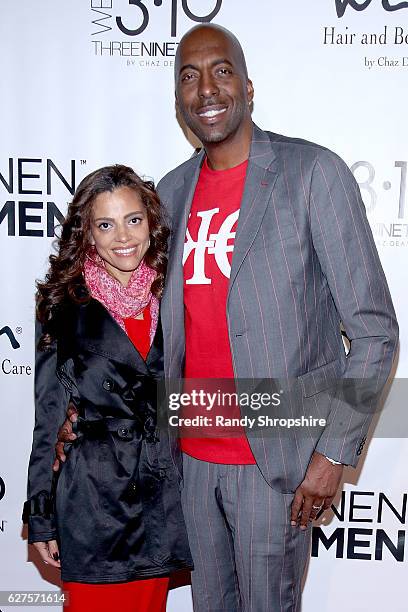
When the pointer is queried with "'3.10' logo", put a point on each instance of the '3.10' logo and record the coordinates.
(144, 16)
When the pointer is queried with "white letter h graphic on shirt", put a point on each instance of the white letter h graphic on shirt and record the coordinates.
(217, 244)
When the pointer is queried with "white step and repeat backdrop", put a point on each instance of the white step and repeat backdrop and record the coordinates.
(90, 82)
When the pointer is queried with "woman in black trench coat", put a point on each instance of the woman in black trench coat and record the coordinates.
(111, 517)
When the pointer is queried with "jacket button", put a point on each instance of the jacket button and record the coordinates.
(132, 491)
(108, 384)
(123, 432)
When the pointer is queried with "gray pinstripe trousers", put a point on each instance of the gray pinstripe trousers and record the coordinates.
(247, 557)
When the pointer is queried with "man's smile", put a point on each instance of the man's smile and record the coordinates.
(209, 113)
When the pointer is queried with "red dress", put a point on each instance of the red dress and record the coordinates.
(138, 595)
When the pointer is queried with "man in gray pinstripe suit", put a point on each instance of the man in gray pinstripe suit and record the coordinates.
(303, 261)
(277, 251)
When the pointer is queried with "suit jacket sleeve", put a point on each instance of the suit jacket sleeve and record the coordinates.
(349, 260)
(51, 401)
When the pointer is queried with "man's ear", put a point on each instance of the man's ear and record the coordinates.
(250, 91)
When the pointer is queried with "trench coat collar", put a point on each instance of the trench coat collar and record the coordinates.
(97, 331)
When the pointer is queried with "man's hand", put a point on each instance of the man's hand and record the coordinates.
(65, 435)
(317, 490)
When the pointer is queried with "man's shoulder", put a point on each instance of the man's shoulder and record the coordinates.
(310, 153)
(172, 178)
(288, 144)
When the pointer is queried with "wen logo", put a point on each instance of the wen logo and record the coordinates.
(341, 6)
(6, 330)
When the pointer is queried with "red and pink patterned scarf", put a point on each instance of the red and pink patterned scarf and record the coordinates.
(122, 302)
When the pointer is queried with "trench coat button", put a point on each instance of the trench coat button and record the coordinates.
(131, 491)
(108, 384)
(123, 432)
(133, 486)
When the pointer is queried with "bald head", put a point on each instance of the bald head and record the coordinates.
(207, 35)
(213, 91)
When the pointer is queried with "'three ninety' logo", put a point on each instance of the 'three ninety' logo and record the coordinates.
(6, 330)
(341, 6)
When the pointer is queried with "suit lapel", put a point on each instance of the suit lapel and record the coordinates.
(182, 199)
(172, 309)
(260, 180)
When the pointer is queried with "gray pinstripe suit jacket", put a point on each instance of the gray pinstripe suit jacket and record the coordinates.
(304, 261)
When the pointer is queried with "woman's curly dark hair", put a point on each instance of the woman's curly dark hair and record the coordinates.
(64, 280)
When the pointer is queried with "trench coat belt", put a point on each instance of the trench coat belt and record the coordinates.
(126, 429)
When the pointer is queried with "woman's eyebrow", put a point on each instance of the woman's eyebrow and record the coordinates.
(136, 212)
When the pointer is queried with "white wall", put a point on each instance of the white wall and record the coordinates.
(62, 102)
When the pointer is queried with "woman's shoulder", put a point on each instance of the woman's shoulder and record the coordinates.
(66, 314)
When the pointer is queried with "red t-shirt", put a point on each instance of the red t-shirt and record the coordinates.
(207, 265)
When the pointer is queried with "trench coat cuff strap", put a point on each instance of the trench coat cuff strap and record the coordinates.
(41, 536)
(41, 529)
(38, 513)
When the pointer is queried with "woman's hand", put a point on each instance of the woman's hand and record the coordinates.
(49, 552)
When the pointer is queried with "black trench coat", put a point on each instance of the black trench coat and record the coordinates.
(115, 505)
